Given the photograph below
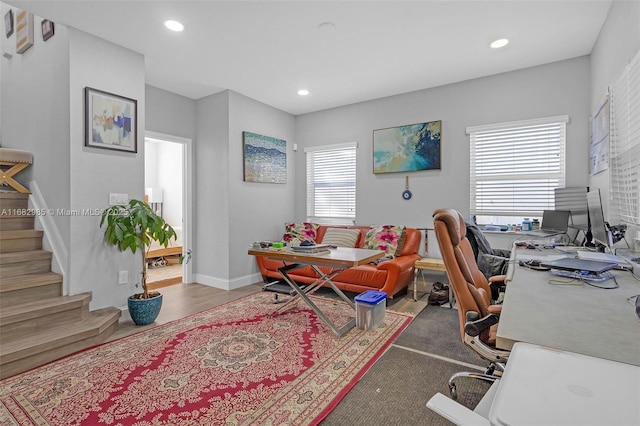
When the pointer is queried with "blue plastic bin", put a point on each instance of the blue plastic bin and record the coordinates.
(370, 307)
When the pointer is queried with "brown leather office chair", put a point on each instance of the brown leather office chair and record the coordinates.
(478, 318)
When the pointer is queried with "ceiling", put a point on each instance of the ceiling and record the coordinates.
(268, 50)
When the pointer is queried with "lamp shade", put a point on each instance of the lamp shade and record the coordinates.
(154, 195)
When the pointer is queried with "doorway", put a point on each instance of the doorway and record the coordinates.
(168, 192)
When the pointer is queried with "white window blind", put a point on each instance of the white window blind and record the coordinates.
(624, 174)
(516, 166)
(331, 183)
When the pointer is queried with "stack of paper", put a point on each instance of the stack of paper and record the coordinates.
(315, 248)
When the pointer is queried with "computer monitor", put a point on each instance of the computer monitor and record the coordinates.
(555, 220)
(574, 199)
(599, 230)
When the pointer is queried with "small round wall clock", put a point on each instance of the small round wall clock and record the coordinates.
(406, 194)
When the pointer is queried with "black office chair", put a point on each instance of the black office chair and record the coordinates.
(491, 261)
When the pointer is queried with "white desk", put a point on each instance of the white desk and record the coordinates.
(547, 387)
(574, 318)
(542, 386)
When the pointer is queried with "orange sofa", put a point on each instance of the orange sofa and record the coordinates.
(389, 276)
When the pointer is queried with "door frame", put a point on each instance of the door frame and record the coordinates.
(187, 194)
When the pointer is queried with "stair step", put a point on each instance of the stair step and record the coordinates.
(31, 317)
(18, 257)
(20, 240)
(45, 346)
(37, 323)
(24, 262)
(28, 288)
(13, 222)
(13, 200)
(24, 282)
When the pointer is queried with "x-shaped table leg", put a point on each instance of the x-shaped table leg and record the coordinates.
(304, 294)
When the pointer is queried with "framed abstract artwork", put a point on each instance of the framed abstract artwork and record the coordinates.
(265, 158)
(110, 121)
(408, 148)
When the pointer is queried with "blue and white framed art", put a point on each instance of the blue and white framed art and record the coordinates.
(265, 158)
(408, 148)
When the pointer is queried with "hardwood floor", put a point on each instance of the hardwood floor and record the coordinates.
(165, 276)
(181, 300)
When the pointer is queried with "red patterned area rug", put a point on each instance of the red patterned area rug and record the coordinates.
(231, 365)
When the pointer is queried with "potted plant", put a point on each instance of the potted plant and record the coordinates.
(134, 227)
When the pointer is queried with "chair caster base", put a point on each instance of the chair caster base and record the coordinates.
(453, 392)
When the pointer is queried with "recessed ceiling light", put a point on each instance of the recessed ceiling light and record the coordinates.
(174, 25)
(303, 92)
(502, 42)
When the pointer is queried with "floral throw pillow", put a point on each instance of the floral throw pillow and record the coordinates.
(387, 238)
(300, 231)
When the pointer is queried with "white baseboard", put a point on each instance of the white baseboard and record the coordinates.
(245, 281)
(211, 281)
(52, 239)
(227, 284)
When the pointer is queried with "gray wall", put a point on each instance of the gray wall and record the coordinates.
(35, 114)
(256, 209)
(170, 113)
(211, 254)
(45, 115)
(555, 89)
(232, 213)
(94, 266)
(43, 112)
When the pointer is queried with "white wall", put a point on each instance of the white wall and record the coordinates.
(169, 178)
(549, 90)
(150, 164)
(163, 167)
(95, 172)
(617, 44)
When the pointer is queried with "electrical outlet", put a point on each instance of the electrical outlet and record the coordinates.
(123, 277)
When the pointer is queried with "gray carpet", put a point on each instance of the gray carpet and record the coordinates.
(436, 330)
(397, 387)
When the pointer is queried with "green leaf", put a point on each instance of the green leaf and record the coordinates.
(120, 231)
(135, 226)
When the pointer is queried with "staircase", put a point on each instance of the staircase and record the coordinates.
(37, 323)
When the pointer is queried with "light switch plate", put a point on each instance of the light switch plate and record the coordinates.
(115, 199)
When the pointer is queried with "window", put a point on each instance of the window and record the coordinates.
(624, 171)
(331, 183)
(516, 166)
